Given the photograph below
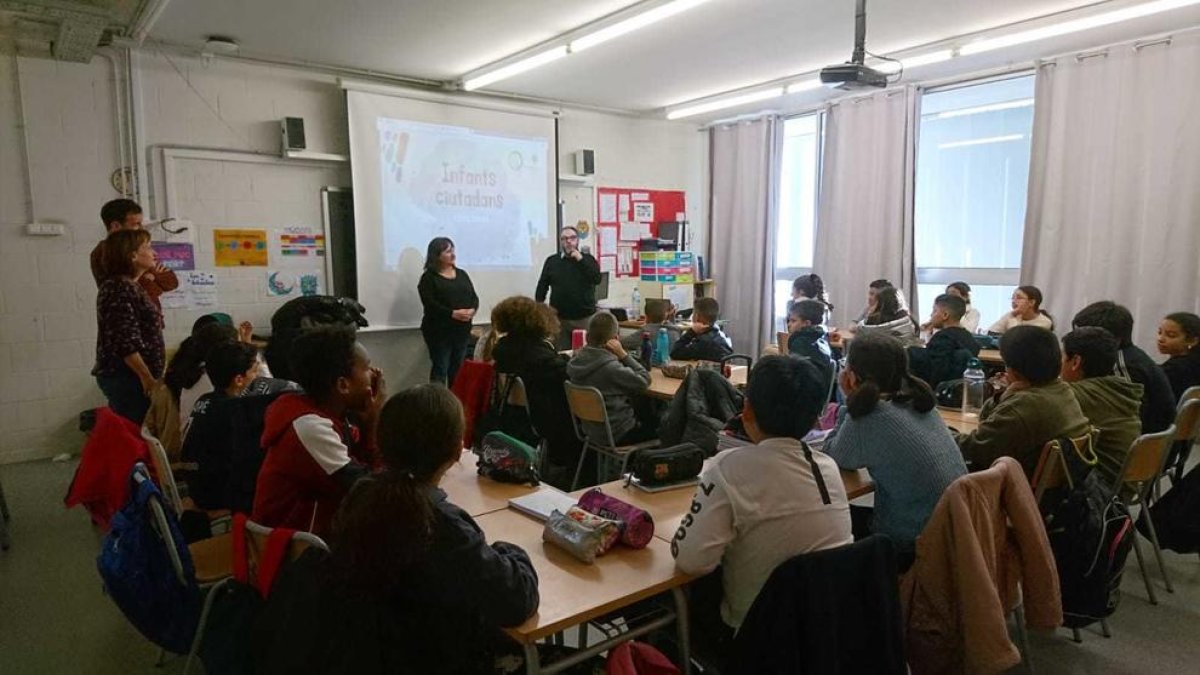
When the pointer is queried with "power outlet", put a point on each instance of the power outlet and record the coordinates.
(45, 229)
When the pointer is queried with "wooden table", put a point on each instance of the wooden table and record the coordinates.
(475, 494)
(573, 593)
(955, 418)
(991, 356)
(664, 387)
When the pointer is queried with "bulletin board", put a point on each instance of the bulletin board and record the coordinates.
(626, 215)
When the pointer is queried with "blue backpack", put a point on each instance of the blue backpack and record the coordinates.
(138, 572)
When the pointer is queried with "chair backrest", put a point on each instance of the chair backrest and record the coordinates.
(1051, 471)
(1189, 394)
(587, 405)
(516, 394)
(256, 543)
(162, 470)
(1145, 461)
(781, 340)
(164, 532)
(1187, 421)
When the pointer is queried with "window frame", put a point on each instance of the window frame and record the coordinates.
(789, 274)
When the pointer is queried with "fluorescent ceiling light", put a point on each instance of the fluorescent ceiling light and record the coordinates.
(890, 67)
(721, 104)
(804, 85)
(633, 23)
(515, 68)
(991, 107)
(981, 141)
(1074, 26)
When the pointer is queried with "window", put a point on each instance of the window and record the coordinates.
(798, 172)
(972, 174)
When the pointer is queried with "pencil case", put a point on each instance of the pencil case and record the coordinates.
(637, 527)
(582, 542)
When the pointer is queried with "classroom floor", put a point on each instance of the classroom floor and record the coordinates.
(54, 617)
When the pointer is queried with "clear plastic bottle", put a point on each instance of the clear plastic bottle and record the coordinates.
(974, 388)
(662, 347)
(636, 310)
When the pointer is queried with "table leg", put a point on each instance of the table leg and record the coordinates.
(533, 663)
(683, 627)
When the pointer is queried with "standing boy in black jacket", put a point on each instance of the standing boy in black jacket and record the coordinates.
(704, 341)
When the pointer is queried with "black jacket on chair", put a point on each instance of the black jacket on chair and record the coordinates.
(833, 611)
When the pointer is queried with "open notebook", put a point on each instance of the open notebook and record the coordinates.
(541, 503)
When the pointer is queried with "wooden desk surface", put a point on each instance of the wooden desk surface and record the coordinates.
(665, 387)
(475, 494)
(573, 592)
(956, 419)
(991, 356)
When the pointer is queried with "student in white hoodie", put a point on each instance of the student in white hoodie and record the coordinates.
(759, 505)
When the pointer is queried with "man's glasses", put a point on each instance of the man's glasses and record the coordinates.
(568, 238)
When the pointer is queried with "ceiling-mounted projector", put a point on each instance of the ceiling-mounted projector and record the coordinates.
(855, 74)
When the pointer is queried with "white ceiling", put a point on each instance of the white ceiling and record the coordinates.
(720, 45)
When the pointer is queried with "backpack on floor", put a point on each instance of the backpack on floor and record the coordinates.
(1090, 534)
(139, 575)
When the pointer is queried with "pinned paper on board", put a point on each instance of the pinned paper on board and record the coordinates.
(624, 261)
(608, 263)
(176, 257)
(608, 208)
(282, 283)
(629, 231)
(202, 286)
(302, 243)
(623, 208)
(240, 248)
(606, 241)
(639, 196)
(643, 212)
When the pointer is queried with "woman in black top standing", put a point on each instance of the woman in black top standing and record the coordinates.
(450, 302)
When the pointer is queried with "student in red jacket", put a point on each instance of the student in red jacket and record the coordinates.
(314, 452)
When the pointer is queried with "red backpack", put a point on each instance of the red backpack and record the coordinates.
(637, 658)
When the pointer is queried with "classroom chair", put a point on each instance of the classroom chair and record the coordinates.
(5, 538)
(256, 542)
(1187, 433)
(587, 405)
(519, 398)
(170, 488)
(1052, 473)
(1143, 467)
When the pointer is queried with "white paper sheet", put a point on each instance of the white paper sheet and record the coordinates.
(624, 261)
(630, 231)
(608, 208)
(202, 287)
(607, 240)
(640, 196)
(645, 228)
(608, 263)
(623, 209)
(643, 212)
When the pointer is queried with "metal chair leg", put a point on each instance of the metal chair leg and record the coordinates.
(1137, 548)
(683, 629)
(1075, 636)
(1158, 551)
(1104, 628)
(579, 467)
(1018, 616)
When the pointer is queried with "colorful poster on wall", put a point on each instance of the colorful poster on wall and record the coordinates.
(301, 243)
(283, 283)
(240, 248)
(175, 256)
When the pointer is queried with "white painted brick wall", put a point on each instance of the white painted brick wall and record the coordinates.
(47, 296)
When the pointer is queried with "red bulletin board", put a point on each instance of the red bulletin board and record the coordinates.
(624, 210)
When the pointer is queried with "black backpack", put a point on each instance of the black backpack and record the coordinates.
(1090, 534)
(299, 314)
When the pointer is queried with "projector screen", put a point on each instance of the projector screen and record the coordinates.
(423, 169)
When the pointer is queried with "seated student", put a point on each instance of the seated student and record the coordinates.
(891, 317)
(314, 453)
(872, 299)
(945, 356)
(757, 506)
(410, 584)
(1179, 338)
(186, 371)
(230, 367)
(527, 350)
(970, 319)
(704, 340)
(1035, 408)
(1026, 311)
(658, 315)
(1110, 402)
(890, 427)
(810, 287)
(604, 364)
(807, 336)
(1158, 402)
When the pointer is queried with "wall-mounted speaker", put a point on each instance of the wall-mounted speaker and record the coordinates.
(293, 134)
(585, 162)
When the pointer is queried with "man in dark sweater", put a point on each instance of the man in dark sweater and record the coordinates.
(571, 278)
(704, 341)
(945, 356)
(1135, 365)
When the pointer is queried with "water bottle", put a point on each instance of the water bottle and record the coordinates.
(662, 348)
(974, 388)
(636, 310)
(647, 350)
